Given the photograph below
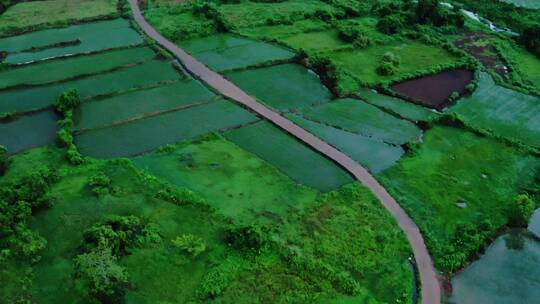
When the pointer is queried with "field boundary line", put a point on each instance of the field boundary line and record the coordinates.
(430, 286)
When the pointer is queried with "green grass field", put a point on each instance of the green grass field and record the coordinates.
(28, 131)
(505, 112)
(283, 87)
(302, 164)
(55, 12)
(414, 56)
(143, 135)
(371, 153)
(356, 116)
(481, 172)
(104, 112)
(90, 37)
(284, 30)
(235, 182)
(147, 74)
(56, 70)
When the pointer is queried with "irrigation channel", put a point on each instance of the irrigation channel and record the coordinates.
(430, 285)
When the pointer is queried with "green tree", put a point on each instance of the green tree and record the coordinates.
(189, 244)
(98, 274)
(521, 211)
(530, 38)
(67, 101)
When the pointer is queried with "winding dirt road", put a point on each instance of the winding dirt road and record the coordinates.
(430, 288)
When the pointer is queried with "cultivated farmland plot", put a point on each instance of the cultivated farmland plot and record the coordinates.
(227, 52)
(358, 117)
(144, 135)
(137, 104)
(61, 69)
(146, 74)
(293, 158)
(85, 38)
(371, 153)
(525, 3)
(505, 112)
(283, 87)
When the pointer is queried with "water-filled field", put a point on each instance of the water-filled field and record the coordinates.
(505, 112)
(302, 164)
(237, 183)
(28, 131)
(149, 73)
(283, 87)
(375, 155)
(85, 38)
(435, 90)
(524, 3)
(60, 69)
(143, 135)
(397, 106)
(506, 274)
(213, 43)
(359, 117)
(103, 112)
(479, 178)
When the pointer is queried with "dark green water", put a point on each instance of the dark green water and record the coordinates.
(28, 131)
(509, 271)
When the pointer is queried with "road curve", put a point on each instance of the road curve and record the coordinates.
(430, 288)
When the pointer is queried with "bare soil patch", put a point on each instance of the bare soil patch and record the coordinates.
(434, 91)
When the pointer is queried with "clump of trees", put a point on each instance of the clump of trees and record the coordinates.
(395, 16)
(389, 64)
(18, 201)
(97, 272)
(530, 38)
(351, 33)
(100, 184)
(65, 104)
(521, 210)
(246, 238)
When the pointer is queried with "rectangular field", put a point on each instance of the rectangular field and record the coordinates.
(356, 116)
(375, 155)
(398, 106)
(534, 4)
(148, 73)
(28, 131)
(505, 112)
(60, 69)
(103, 112)
(296, 160)
(243, 56)
(35, 13)
(283, 87)
(213, 43)
(144, 135)
(86, 38)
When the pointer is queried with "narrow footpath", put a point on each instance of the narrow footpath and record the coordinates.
(430, 288)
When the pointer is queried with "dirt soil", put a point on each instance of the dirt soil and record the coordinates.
(485, 53)
(434, 91)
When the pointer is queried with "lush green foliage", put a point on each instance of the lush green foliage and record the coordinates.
(4, 160)
(521, 211)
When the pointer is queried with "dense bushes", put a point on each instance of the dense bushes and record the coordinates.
(245, 238)
(65, 104)
(531, 39)
(351, 33)
(521, 211)
(389, 64)
(189, 244)
(17, 202)
(4, 160)
(100, 184)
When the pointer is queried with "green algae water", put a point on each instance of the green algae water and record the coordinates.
(509, 272)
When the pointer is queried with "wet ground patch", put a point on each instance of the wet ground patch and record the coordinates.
(435, 90)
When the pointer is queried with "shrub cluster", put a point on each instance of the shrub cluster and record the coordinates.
(17, 202)
(65, 104)
(389, 64)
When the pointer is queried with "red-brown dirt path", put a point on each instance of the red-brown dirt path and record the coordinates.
(430, 288)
